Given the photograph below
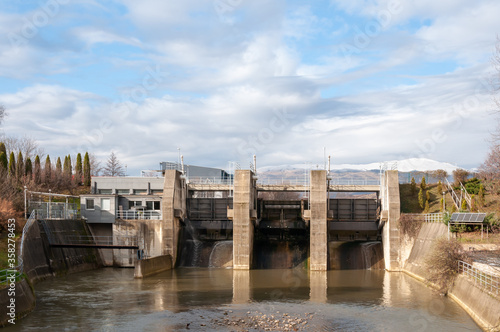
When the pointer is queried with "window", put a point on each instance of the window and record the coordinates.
(105, 204)
(89, 204)
(156, 191)
(140, 191)
(131, 204)
(122, 191)
(105, 191)
(152, 205)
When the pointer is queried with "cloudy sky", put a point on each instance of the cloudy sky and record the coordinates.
(367, 80)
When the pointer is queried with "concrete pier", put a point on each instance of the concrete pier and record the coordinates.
(318, 222)
(174, 210)
(243, 215)
(391, 211)
(151, 266)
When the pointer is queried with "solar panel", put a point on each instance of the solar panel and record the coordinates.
(460, 217)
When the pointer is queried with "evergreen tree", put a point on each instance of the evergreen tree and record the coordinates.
(480, 195)
(421, 198)
(12, 165)
(58, 166)
(2, 148)
(463, 207)
(78, 169)
(4, 163)
(413, 186)
(37, 174)
(426, 209)
(47, 170)
(473, 207)
(28, 168)
(20, 166)
(86, 170)
(440, 187)
(423, 185)
(441, 205)
(427, 195)
(453, 208)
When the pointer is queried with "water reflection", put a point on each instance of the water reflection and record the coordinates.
(111, 300)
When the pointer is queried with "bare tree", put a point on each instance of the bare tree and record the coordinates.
(440, 174)
(3, 113)
(95, 165)
(489, 171)
(460, 176)
(26, 145)
(113, 166)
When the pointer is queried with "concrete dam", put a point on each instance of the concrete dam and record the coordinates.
(246, 225)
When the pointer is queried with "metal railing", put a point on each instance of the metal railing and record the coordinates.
(100, 240)
(484, 280)
(295, 181)
(20, 266)
(433, 217)
(55, 210)
(138, 215)
(354, 182)
(209, 180)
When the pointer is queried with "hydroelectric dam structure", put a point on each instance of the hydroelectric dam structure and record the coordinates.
(176, 216)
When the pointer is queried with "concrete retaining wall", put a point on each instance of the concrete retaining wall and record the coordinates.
(24, 302)
(150, 266)
(42, 261)
(479, 304)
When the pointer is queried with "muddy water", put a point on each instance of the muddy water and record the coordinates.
(349, 300)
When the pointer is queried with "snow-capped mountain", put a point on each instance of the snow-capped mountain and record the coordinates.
(406, 165)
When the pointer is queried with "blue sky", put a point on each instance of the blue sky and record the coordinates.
(369, 80)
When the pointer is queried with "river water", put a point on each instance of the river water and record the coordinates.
(111, 299)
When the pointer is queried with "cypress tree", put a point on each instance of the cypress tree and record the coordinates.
(423, 185)
(78, 169)
(427, 195)
(480, 195)
(38, 171)
(29, 168)
(463, 207)
(441, 205)
(58, 166)
(20, 166)
(421, 198)
(413, 186)
(2, 148)
(86, 170)
(440, 187)
(473, 204)
(4, 163)
(426, 209)
(12, 165)
(47, 170)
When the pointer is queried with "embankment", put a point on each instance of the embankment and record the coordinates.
(41, 261)
(482, 306)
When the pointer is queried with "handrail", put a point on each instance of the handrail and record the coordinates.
(488, 282)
